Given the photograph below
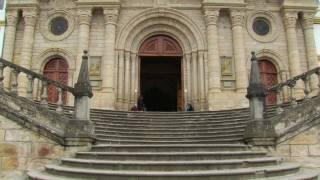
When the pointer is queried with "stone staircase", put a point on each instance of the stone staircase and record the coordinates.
(171, 146)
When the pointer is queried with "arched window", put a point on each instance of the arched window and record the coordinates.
(56, 69)
(269, 77)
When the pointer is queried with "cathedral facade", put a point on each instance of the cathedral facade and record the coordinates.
(170, 52)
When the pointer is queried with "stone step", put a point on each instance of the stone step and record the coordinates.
(166, 134)
(210, 141)
(239, 174)
(182, 126)
(170, 165)
(169, 148)
(303, 174)
(170, 130)
(171, 138)
(170, 156)
(194, 121)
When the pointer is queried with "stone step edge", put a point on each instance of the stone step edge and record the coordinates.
(180, 141)
(191, 162)
(169, 137)
(170, 145)
(301, 175)
(173, 153)
(258, 170)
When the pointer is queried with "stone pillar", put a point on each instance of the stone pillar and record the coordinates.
(259, 131)
(311, 50)
(30, 19)
(84, 19)
(189, 84)
(127, 80)
(133, 79)
(121, 79)
(237, 17)
(290, 20)
(194, 64)
(214, 70)
(9, 41)
(202, 80)
(111, 18)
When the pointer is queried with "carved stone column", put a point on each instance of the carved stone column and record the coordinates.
(237, 17)
(127, 81)
(111, 18)
(189, 84)
(84, 19)
(211, 18)
(194, 64)
(133, 79)
(120, 97)
(9, 41)
(30, 19)
(202, 80)
(312, 58)
(290, 20)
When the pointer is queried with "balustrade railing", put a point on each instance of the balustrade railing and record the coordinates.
(291, 84)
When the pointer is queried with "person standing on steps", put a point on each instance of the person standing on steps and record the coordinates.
(189, 107)
(141, 106)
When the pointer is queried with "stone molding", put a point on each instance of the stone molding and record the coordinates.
(211, 17)
(45, 27)
(290, 19)
(84, 16)
(273, 22)
(12, 17)
(237, 17)
(308, 20)
(111, 16)
(30, 16)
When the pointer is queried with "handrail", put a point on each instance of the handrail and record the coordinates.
(293, 80)
(36, 75)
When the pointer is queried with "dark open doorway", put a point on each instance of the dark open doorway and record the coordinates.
(160, 83)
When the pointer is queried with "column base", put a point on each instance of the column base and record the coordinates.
(79, 133)
(260, 133)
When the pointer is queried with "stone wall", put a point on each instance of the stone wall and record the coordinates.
(22, 150)
(304, 148)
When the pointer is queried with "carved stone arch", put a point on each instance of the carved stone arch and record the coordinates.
(49, 54)
(170, 18)
(160, 45)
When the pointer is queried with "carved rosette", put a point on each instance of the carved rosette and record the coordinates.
(84, 16)
(111, 16)
(308, 20)
(237, 17)
(290, 19)
(12, 17)
(211, 17)
(30, 16)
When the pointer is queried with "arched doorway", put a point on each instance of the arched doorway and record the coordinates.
(56, 69)
(160, 74)
(269, 77)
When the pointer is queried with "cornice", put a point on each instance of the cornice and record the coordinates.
(98, 3)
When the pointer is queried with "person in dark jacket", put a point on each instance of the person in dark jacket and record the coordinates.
(141, 106)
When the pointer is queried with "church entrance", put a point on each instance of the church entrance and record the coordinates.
(161, 75)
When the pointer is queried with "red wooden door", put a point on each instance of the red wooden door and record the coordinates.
(269, 77)
(56, 69)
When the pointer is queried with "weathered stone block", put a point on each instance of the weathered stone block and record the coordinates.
(314, 150)
(10, 163)
(310, 137)
(8, 124)
(20, 135)
(299, 150)
(7, 150)
(2, 132)
(283, 150)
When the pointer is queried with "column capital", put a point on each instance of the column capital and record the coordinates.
(84, 15)
(308, 20)
(12, 17)
(211, 16)
(237, 17)
(30, 16)
(111, 16)
(290, 19)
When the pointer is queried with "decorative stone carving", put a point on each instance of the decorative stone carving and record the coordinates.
(12, 17)
(84, 16)
(30, 17)
(211, 17)
(290, 19)
(308, 20)
(237, 17)
(111, 16)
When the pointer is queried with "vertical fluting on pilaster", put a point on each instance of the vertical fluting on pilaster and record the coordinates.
(211, 19)
(201, 80)
(194, 65)
(9, 41)
(237, 18)
(121, 79)
(127, 80)
(84, 19)
(133, 79)
(189, 77)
